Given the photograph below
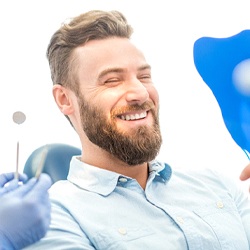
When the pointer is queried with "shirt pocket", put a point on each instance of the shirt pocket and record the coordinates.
(223, 218)
(121, 238)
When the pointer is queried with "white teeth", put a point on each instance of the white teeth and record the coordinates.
(142, 115)
(134, 117)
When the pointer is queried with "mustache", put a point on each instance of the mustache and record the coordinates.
(135, 107)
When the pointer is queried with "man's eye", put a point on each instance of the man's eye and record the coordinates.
(145, 77)
(111, 80)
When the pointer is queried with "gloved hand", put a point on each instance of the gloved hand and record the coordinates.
(24, 211)
(8, 178)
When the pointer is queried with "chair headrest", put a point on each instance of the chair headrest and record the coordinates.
(56, 163)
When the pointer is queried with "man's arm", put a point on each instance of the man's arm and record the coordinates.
(64, 233)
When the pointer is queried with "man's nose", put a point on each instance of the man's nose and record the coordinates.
(136, 92)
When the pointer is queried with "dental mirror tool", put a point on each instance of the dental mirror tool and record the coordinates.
(42, 161)
(18, 118)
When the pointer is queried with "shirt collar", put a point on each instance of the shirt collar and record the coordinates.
(160, 170)
(103, 181)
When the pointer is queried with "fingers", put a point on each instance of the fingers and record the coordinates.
(25, 188)
(39, 192)
(7, 177)
(245, 174)
(22, 177)
(43, 183)
(4, 178)
(9, 183)
(13, 184)
(36, 188)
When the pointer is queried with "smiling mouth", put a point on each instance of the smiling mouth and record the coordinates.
(132, 117)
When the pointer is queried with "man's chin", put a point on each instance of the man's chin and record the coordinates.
(132, 130)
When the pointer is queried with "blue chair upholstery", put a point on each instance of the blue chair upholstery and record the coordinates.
(56, 163)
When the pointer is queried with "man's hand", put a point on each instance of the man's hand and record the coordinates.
(24, 211)
(245, 174)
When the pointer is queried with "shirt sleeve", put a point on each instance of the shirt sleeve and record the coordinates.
(64, 233)
(243, 204)
(241, 199)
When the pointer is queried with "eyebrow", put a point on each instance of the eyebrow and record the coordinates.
(120, 70)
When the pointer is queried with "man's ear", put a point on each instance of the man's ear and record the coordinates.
(63, 98)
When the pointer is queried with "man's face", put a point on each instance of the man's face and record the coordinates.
(118, 103)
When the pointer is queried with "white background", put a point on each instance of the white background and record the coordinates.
(193, 130)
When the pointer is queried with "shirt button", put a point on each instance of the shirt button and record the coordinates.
(123, 179)
(122, 230)
(220, 204)
(180, 219)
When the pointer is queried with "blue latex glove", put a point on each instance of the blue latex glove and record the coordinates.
(24, 211)
(8, 178)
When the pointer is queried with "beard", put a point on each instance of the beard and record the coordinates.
(134, 147)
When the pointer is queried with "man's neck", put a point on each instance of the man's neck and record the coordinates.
(102, 159)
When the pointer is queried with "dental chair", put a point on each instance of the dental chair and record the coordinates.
(55, 158)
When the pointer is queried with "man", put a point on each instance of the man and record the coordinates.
(118, 196)
(24, 210)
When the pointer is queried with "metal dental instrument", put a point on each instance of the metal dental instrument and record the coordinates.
(18, 117)
(42, 161)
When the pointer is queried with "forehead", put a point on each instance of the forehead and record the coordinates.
(112, 52)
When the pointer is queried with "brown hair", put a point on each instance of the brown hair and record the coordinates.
(92, 25)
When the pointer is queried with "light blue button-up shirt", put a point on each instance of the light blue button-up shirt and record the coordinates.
(100, 209)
